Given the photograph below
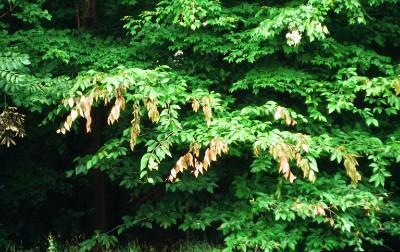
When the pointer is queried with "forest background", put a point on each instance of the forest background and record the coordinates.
(249, 125)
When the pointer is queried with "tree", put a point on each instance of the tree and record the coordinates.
(271, 124)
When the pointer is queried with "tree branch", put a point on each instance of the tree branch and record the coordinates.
(8, 12)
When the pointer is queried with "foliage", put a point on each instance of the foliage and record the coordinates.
(11, 125)
(98, 240)
(52, 247)
(273, 124)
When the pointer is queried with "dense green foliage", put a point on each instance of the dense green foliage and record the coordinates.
(262, 125)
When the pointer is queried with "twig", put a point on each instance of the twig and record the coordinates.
(7, 12)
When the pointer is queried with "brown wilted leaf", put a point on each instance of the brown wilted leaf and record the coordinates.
(195, 149)
(173, 173)
(71, 102)
(207, 114)
(257, 150)
(67, 126)
(291, 177)
(350, 163)
(82, 108)
(319, 210)
(278, 113)
(283, 153)
(87, 106)
(283, 113)
(199, 166)
(206, 160)
(116, 110)
(195, 105)
(135, 128)
(74, 114)
(153, 113)
(311, 176)
(207, 103)
(190, 160)
(11, 126)
(283, 165)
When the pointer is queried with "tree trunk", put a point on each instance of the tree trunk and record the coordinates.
(89, 16)
(86, 18)
(97, 179)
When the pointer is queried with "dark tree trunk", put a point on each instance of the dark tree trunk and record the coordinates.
(86, 16)
(97, 179)
(89, 13)
(86, 19)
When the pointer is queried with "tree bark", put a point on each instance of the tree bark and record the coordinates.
(97, 179)
(86, 18)
(89, 17)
